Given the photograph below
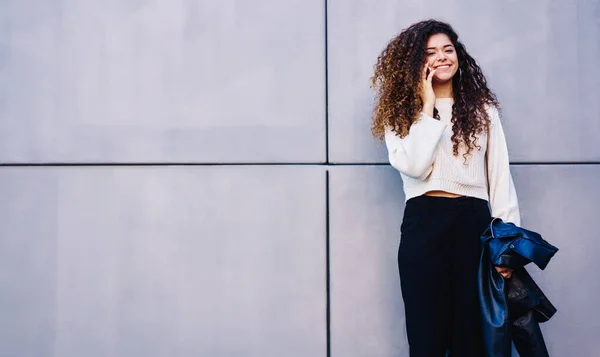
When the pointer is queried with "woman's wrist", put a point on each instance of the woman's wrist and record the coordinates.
(428, 109)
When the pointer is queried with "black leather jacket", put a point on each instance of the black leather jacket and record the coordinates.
(512, 308)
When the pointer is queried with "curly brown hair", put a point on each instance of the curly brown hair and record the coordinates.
(397, 82)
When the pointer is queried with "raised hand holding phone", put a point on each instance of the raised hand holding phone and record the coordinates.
(427, 93)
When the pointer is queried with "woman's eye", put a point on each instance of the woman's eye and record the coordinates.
(430, 54)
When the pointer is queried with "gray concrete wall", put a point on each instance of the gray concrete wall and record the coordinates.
(197, 178)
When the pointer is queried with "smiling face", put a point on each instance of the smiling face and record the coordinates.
(441, 55)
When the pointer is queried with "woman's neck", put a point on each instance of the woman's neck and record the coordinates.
(443, 90)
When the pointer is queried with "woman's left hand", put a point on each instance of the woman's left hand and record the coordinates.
(505, 272)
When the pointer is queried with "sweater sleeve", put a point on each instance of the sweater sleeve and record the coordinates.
(414, 154)
(503, 196)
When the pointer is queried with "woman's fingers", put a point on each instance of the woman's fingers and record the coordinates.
(430, 77)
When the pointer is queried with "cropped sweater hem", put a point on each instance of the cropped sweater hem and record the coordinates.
(440, 184)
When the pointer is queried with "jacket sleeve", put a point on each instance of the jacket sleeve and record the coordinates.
(414, 154)
(503, 196)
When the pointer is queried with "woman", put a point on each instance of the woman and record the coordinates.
(442, 129)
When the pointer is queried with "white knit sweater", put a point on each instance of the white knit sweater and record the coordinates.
(426, 162)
